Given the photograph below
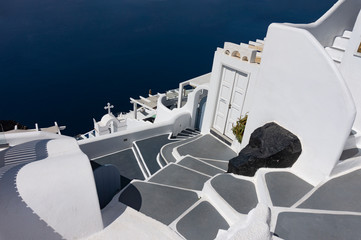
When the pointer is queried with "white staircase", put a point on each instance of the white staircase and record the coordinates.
(338, 48)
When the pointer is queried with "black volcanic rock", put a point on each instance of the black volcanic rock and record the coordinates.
(270, 146)
(7, 125)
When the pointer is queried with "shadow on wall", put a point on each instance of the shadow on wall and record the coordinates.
(132, 199)
(107, 181)
(350, 153)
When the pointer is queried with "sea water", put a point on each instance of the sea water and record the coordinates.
(64, 60)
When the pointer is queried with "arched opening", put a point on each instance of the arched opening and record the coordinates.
(201, 109)
(227, 52)
(236, 54)
(245, 58)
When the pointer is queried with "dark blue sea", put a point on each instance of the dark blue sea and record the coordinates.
(63, 60)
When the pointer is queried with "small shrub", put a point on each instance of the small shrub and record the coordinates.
(238, 129)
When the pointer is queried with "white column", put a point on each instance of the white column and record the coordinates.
(180, 95)
(56, 124)
(135, 110)
(112, 127)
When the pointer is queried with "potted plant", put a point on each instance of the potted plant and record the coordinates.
(238, 128)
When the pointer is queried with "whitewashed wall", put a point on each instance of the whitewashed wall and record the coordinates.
(165, 114)
(222, 60)
(61, 190)
(301, 89)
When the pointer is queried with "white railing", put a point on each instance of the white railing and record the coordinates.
(334, 22)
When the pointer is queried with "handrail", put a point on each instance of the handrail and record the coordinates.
(334, 22)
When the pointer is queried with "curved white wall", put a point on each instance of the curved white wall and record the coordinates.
(301, 89)
(61, 190)
(334, 22)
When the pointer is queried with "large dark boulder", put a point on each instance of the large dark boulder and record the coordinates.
(270, 146)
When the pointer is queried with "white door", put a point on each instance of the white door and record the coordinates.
(230, 100)
(224, 98)
(237, 100)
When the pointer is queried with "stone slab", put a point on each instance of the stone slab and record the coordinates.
(125, 162)
(219, 164)
(175, 175)
(207, 147)
(199, 166)
(162, 203)
(285, 188)
(202, 222)
(167, 150)
(149, 148)
(238, 193)
(306, 226)
(339, 194)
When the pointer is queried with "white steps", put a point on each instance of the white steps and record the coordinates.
(340, 43)
(347, 34)
(335, 53)
(338, 48)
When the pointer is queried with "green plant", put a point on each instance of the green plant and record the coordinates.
(238, 129)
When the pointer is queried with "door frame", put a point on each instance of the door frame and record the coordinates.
(222, 134)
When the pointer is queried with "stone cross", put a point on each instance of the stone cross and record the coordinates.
(108, 106)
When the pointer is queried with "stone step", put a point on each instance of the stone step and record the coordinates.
(202, 222)
(208, 147)
(240, 194)
(193, 130)
(166, 150)
(200, 166)
(191, 133)
(149, 148)
(183, 134)
(216, 163)
(126, 163)
(163, 203)
(285, 188)
(347, 34)
(161, 160)
(321, 226)
(340, 43)
(335, 54)
(177, 176)
(140, 161)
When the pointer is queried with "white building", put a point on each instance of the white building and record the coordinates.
(168, 180)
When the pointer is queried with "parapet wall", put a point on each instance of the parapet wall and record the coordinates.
(334, 22)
